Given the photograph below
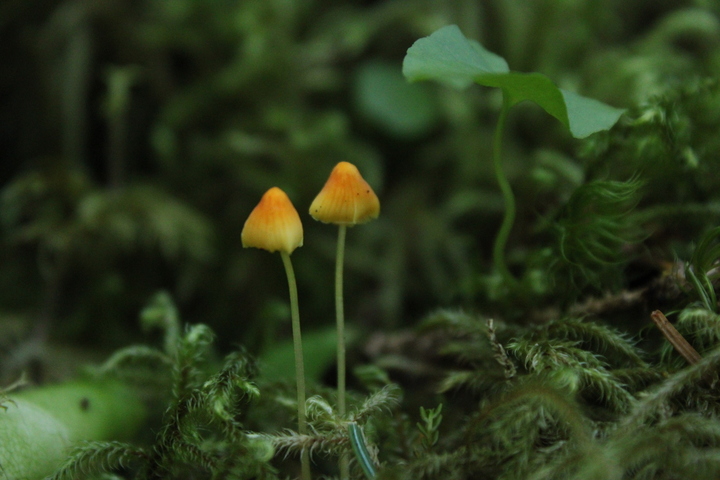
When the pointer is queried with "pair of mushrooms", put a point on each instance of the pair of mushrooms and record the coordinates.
(274, 225)
(346, 199)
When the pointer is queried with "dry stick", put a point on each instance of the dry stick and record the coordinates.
(675, 338)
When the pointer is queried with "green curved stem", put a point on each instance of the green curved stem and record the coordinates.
(508, 197)
(299, 364)
(357, 440)
(340, 321)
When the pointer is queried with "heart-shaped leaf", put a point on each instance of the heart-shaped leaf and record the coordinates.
(447, 56)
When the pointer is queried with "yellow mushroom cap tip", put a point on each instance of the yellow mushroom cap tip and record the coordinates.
(274, 224)
(346, 198)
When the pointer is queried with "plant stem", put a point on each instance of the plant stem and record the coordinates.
(340, 320)
(508, 197)
(299, 365)
(357, 440)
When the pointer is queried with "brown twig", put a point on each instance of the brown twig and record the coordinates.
(675, 338)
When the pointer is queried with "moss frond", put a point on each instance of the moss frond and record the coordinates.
(162, 313)
(290, 442)
(477, 381)
(192, 350)
(616, 347)
(447, 465)
(591, 230)
(321, 414)
(688, 442)
(474, 343)
(581, 370)
(453, 321)
(655, 403)
(133, 356)
(529, 426)
(201, 427)
(382, 400)
(98, 457)
(703, 268)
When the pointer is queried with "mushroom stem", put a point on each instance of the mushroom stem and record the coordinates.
(509, 198)
(340, 321)
(299, 364)
(340, 318)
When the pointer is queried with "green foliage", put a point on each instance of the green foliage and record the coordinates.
(592, 230)
(449, 57)
(587, 403)
(138, 135)
(200, 431)
(669, 139)
(277, 361)
(702, 269)
(700, 327)
(384, 97)
(98, 457)
(39, 425)
(329, 431)
(63, 211)
(431, 419)
(473, 347)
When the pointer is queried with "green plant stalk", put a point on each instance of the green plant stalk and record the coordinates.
(340, 322)
(357, 440)
(299, 363)
(508, 197)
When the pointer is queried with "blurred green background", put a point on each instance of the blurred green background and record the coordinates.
(137, 135)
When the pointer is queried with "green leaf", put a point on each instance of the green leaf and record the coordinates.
(448, 57)
(319, 347)
(587, 116)
(40, 425)
(383, 97)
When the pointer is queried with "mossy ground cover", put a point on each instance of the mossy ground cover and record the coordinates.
(138, 136)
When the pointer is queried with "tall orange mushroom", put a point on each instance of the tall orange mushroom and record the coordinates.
(345, 200)
(274, 225)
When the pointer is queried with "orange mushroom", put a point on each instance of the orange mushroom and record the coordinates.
(346, 198)
(274, 225)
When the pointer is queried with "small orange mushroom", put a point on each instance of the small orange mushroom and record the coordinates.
(274, 224)
(346, 198)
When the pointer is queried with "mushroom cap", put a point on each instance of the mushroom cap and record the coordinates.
(274, 224)
(346, 198)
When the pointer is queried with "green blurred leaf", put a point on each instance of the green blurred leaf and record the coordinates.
(384, 97)
(450, 58)
(40, 425)
(319, 346)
